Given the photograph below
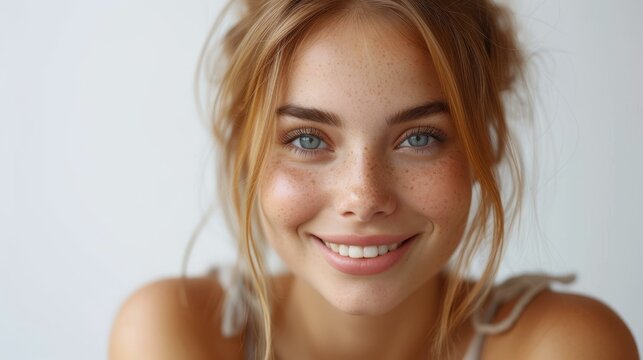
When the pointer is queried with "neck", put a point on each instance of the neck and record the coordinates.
(306, 323)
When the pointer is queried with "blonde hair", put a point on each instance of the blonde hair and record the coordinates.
(473, 46)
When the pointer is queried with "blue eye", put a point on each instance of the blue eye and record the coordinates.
(418, 140)
(305, 142)
(421, 138)
(309, 142)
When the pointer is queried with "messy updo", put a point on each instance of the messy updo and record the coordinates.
(474, 48)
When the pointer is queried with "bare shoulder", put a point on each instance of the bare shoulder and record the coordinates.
(172, 319)
(557, 325)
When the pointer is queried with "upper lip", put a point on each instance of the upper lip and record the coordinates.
(366, 240)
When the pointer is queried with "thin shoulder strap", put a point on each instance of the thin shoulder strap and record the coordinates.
(236, 303)
(529, 285)
(235, 310)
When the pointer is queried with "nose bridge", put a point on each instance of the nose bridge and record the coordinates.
(365, 186)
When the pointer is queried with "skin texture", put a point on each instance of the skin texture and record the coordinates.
(175, 319)
(364, 181)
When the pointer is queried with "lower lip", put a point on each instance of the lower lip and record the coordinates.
(363, 266)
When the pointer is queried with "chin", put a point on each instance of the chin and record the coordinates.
(362, 308)
(362, 297)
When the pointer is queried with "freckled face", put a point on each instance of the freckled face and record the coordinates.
(361, 173)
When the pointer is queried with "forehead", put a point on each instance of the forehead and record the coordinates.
(361, 65)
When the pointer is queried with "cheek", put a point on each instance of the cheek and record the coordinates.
(441, 191)
(288, 196)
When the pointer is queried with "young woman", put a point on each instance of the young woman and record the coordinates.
(363, 141)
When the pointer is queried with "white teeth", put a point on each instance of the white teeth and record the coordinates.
(370, 251)
(355, 252)
(358, 252)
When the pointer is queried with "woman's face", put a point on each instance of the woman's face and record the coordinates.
(366, 159)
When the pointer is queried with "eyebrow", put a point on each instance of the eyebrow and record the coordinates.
(326, 117)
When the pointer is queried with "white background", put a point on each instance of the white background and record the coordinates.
(105, 168)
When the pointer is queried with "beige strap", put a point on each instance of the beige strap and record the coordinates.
(529, 285)
(235, 309)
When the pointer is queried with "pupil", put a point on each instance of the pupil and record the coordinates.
(309, 142)
(419, 140)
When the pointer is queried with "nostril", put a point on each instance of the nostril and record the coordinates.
(367, 210)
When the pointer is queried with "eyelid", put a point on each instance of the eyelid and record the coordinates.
(433, 132)
(289, 137)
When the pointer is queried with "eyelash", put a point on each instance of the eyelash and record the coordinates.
(287, 139)
(291, 136)
(437, 134)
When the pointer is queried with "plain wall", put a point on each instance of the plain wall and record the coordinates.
(105, 168)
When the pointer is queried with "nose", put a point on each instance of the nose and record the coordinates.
(365, 190)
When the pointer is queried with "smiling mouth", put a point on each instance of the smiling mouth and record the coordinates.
(359, 252)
